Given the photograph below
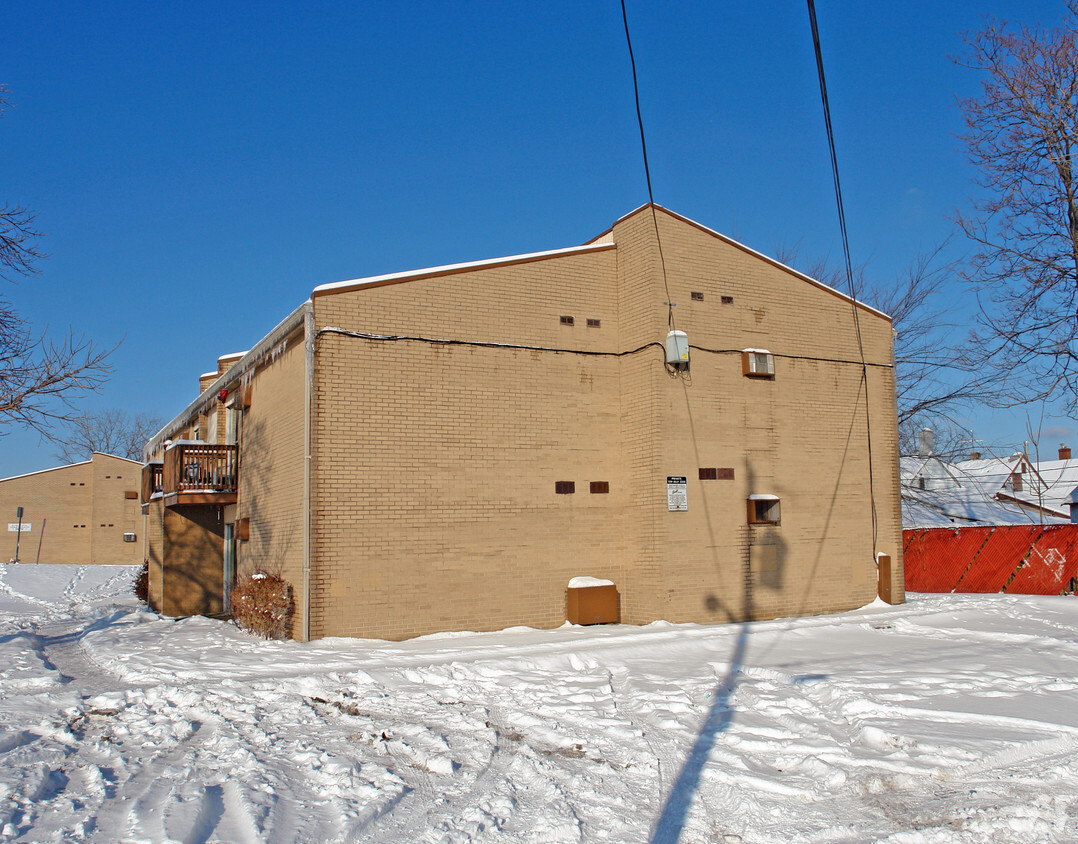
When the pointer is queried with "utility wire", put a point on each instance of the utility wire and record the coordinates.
(849, 266)
(647, 171)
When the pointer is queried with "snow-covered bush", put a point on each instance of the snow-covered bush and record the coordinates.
(142, 583)
(262, 604)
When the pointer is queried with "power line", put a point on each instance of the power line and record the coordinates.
(647, 170)
(849, 266)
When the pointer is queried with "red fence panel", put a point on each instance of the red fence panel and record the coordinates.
(1051, 564)
(1021, 559)
(936, 558)
(1000, 557)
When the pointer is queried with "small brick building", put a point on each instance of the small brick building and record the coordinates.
(445, 449)
(82, 514)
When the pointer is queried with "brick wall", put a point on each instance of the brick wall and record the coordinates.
(78, 513)
(435, 465)
(271, 472)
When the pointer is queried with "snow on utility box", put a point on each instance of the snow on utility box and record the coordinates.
(592, 601)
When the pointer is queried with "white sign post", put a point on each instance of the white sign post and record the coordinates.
(18, 532)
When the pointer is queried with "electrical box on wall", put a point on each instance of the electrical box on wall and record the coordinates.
(677, 349)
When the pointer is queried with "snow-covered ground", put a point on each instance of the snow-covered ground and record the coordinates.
(952, 718)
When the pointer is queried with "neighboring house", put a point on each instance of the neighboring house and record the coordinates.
(1059, 478)
(84, 513)
(444, 449)
(996, 491)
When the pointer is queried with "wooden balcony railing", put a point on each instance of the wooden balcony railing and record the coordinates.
(200, 473)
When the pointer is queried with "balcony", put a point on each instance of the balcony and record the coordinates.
(152, 483)
(197, 473)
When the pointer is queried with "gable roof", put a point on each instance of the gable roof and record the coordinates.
(451, 269)
(746, 249)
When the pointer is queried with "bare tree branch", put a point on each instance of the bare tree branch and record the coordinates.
(111, 432)
(1022, 135)
(935, 374)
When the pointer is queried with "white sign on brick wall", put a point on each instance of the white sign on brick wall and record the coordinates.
(13, 527)
(677, 492)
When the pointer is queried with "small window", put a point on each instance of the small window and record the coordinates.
(758, 363)
(129, 537)
(564, 487)
(727, 300)
(696, 296)
(593, 323)
(763, 510)
(130, 494)
(566, 320)
(600, 487)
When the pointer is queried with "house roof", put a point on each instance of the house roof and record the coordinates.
(450, 269)
(1060, 478)
(973, 492)
(72, 465)
(971, 503)
(598, 243)
(738, 245)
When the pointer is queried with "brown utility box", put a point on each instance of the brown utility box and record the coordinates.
(884, 586)
(593, 605)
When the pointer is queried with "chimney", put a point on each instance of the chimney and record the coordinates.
(1064, 452)
(926, 441)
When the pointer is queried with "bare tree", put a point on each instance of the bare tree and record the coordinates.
(935, 375)
(111, 432)
(39, 377)
(1022, 135)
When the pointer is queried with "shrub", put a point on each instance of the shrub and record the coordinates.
(262, 604)
(142, 583)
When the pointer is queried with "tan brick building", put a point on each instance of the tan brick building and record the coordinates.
(85, 514)
(445, 449)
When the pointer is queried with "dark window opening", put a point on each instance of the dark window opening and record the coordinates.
(763, 511)
(564, 487)
(600, 487)
(696, 296)
(566, 320)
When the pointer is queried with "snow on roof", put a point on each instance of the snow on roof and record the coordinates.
(586, 582)
(43, 471)
(1061, 477)
(70, 466)
(970, 504)
(390, 278)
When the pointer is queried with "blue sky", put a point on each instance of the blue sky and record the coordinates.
(199, 167)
